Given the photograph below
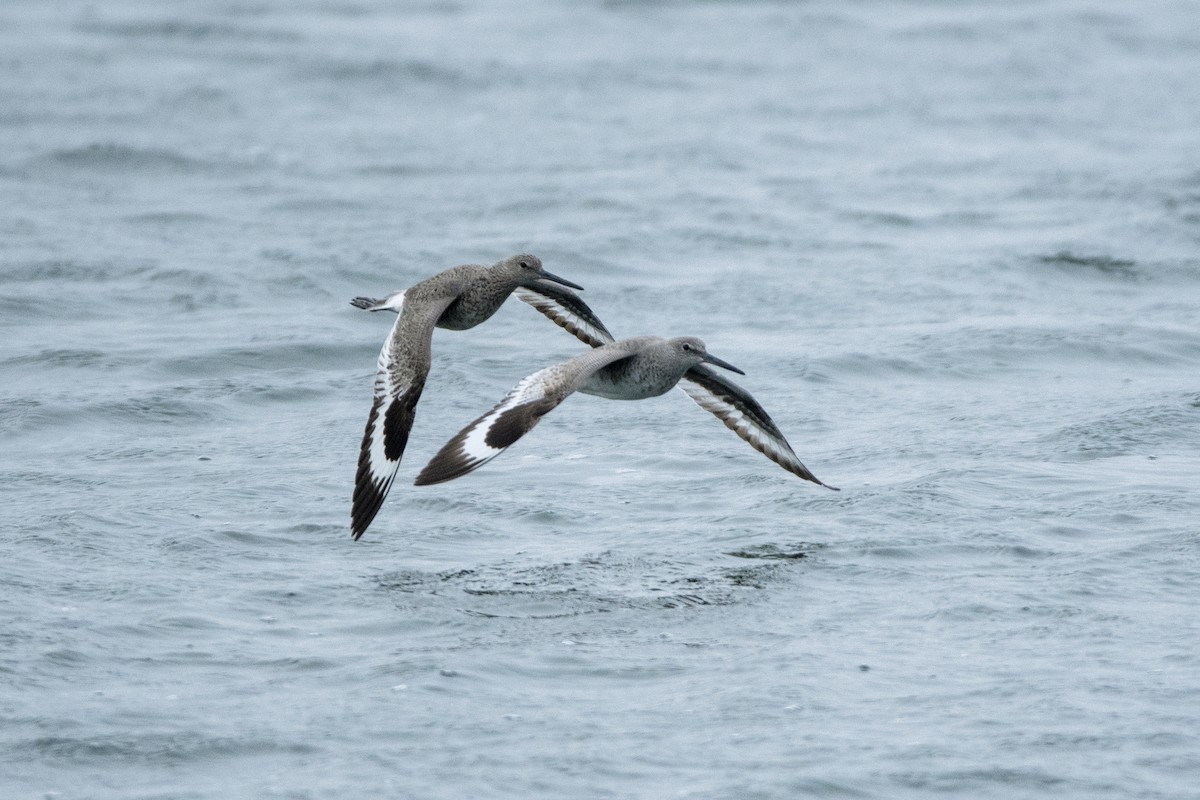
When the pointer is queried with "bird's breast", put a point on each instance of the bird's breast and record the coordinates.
(623, 383)
(470, 309)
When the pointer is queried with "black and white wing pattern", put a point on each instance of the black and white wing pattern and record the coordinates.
(399, 380)
(742, 414)
(515, 415)
(567, 310)
(489, 436)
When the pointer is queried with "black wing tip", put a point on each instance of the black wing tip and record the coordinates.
(361, 519)
(574, 305)
(363, 302)
(444, 467)
(427, 477)
(797, 469)
(364, 506)
(359, 522)
(447, 464)
(808, 476)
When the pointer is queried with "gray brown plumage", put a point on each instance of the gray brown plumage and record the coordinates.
(458, 298)
(631, 369)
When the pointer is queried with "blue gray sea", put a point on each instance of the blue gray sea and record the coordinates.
(955, 247)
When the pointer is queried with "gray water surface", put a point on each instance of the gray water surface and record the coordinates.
(954, 246)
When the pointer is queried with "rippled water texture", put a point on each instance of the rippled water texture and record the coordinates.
(953, 246)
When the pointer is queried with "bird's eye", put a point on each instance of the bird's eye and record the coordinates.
(524, 265)
(686, 346)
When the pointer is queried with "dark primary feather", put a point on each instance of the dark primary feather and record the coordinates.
(743, 415)
(457, 299)
(515, 423)
(371, 489)
(631, 369)
(502, 430)
(567, 310)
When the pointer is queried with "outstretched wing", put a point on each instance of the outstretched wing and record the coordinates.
(515, 415)
(566, 309)
(742, 414)
(400, 378)
(489, 436)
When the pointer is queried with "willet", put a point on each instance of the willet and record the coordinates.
(459, 298)
(631, 369)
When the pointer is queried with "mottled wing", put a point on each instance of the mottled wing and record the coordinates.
(742, 414)
(400, 378)
(567, 310)
(488, 436)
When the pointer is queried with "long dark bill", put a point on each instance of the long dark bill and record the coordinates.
(552, 277)
(711, 359)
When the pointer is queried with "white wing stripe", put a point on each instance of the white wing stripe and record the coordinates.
(584, 329)
(474, 445)
(765, 441)
(474, 449)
